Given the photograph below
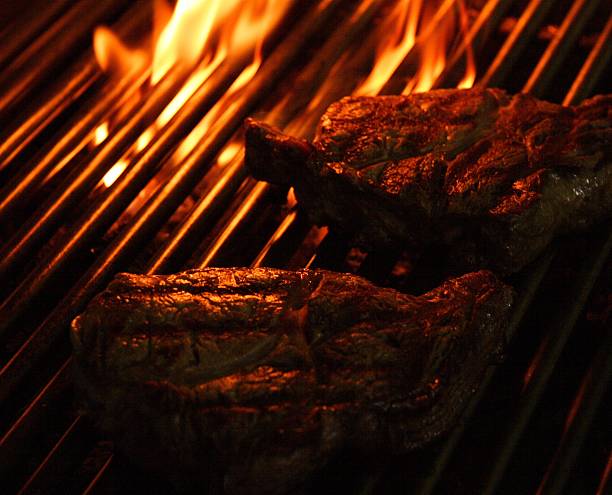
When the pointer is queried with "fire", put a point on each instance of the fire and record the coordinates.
(432, 56)
(470, 71)
(428, 28)
(203, 35)
(198, 35)
(194, 31)
(112, 55)
(184, 36)
(433, 53)
(191, 30)
(399, 34)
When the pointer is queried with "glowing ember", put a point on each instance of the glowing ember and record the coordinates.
(196, 30)
(114, 172)
(228, 154)
(101, 133)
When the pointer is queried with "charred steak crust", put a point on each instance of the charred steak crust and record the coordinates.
(257, 377)
(495, 177)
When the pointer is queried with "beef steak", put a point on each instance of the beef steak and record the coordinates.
(255, 378)
(493, 177)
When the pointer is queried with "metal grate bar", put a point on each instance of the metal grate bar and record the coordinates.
(331, 253)
(76, 186)
(28, 425)
(509, 54)
(544, 368)
(593, 68)
(297, 99)
(51, 49)
(152, 215)
(52, 159)
(62, 97)
(201, 218)
(15, 40)
(60, 459)
(589, 397)
(561, 45)
(74, 134)
(488, 20)
(606, 478)
(77, 82)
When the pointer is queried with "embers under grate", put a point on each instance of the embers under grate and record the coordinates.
(538, 424)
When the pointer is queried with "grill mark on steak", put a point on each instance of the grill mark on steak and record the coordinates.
(492, 177)
(291, 368)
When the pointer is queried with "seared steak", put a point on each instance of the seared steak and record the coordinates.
(494, 177)
(255, 378)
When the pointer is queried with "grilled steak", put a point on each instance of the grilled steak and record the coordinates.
(492, 176)
(255, 378)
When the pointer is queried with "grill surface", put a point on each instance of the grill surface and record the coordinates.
(539, 422)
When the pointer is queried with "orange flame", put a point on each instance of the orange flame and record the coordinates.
(185, 35)
(432, 27)
(432, 54)
(114, 172)
(194, 30)
(204, 32)
(435, 45)
(399, 33)
(470, 69)
(112, 55)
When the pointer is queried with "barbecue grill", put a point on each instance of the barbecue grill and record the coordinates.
(540, 422)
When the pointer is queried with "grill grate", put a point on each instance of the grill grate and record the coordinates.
(56, 256)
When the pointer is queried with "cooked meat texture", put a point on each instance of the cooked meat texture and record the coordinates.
(252, 379)
(493, 177)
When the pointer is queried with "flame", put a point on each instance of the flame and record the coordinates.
(184, 36)
(194, 82)
(200, 33)
(435, 45)
(112, 55)
(432, 54)
(428, 27)
(470, 69)
(194, 30)
(399, 34)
